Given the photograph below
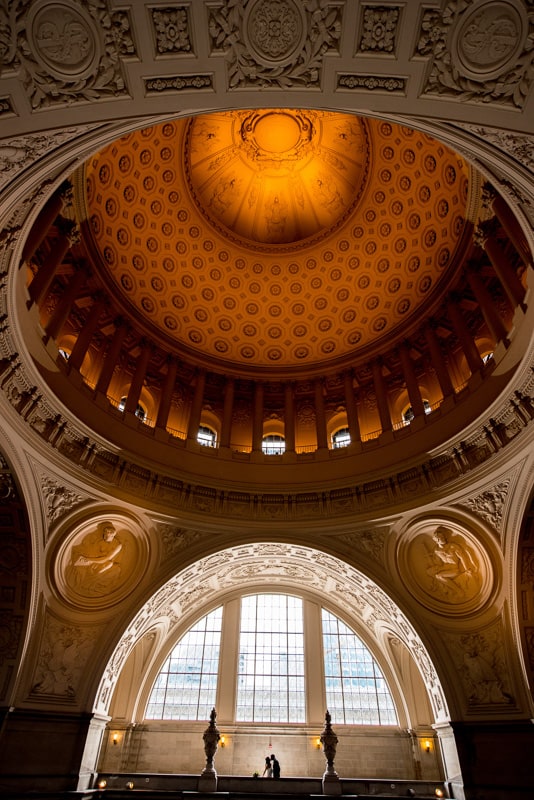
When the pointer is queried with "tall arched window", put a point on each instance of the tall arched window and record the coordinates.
(269, 667)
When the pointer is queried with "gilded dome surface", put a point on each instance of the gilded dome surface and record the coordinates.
(276, 238)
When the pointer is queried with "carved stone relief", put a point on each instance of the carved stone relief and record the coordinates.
(489, 504)
(481, 662)
(100, 563)
(379, 29)
(171, 30)
(59, 498)
(490, 58)
(444, 567)
(278, 43)
(281, 564)
(68, 52)
(65, 650)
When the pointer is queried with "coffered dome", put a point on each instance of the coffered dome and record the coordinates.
(284, 239)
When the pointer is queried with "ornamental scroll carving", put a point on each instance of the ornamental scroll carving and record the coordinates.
(481, 52)
(67, 52)
(274, 43)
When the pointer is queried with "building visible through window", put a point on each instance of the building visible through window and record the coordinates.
(273, 445)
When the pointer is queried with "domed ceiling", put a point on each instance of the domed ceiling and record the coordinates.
(276, 238)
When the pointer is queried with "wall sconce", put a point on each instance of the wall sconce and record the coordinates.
(130, 785)
(102, 784)
(318, 743)
(222, 741)
(427, 745)
(115, 738)
(439, 792)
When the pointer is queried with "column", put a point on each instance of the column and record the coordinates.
(508, 221)
(228, 413)
(166, 393)
(438, 361)
(414, 393)
(45, 218)
(257, 418)
(381, 396)
(196, 406)
(289, 417)
(136, 386)
(474, 361)
(320, 418)
(489, 310)
(505, 270)
(55, 324)
(112, 356)
(82, 343)
(38, 288)
(353, 423)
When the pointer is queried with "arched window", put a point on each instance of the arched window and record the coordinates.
(139, 412)
(269, 662)
(273, 445)
(408, 414)
(356, 690)
(186, 686)
(206, 436)
(270, 685)
(341, 438)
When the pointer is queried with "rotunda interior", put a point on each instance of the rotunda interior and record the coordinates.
(266, 341)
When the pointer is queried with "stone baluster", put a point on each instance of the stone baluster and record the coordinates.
(112, 356)
(438, 360)
(289, 417)
(353, 422)
(136, 386)
(257, 418)
(55, 324)
(40, 285)
(381, 396)
(196, 406)
(489, 310)
(228, 413)
(414, 393)
(85, 336)
(505, 270)
(165, 400)
(320, 417)
(509, 223)
(45, 219)
(467, 343)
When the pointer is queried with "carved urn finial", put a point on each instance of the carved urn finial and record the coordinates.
(208, 776)
(329, 740)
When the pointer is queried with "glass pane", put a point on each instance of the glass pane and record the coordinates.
(187, 684)
(271, 659)
(356, 690)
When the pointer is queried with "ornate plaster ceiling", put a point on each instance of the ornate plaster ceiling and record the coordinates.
(276, 238)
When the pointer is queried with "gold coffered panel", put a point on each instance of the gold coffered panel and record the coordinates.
(276, 238)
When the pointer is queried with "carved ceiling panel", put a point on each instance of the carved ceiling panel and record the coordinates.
(276, 238)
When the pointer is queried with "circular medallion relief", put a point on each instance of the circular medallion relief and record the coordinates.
(98, 564)
(489, 38)
(274, 30)
(64, 40)
(445, 568)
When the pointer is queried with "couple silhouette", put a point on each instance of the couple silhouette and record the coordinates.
(272, 767)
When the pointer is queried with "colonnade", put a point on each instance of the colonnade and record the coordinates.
(503, 264)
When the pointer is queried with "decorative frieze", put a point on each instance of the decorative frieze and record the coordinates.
(481, 52)
(372, 83)
(178, 83)
(274, 43)
(59, 499)
(490, 503)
